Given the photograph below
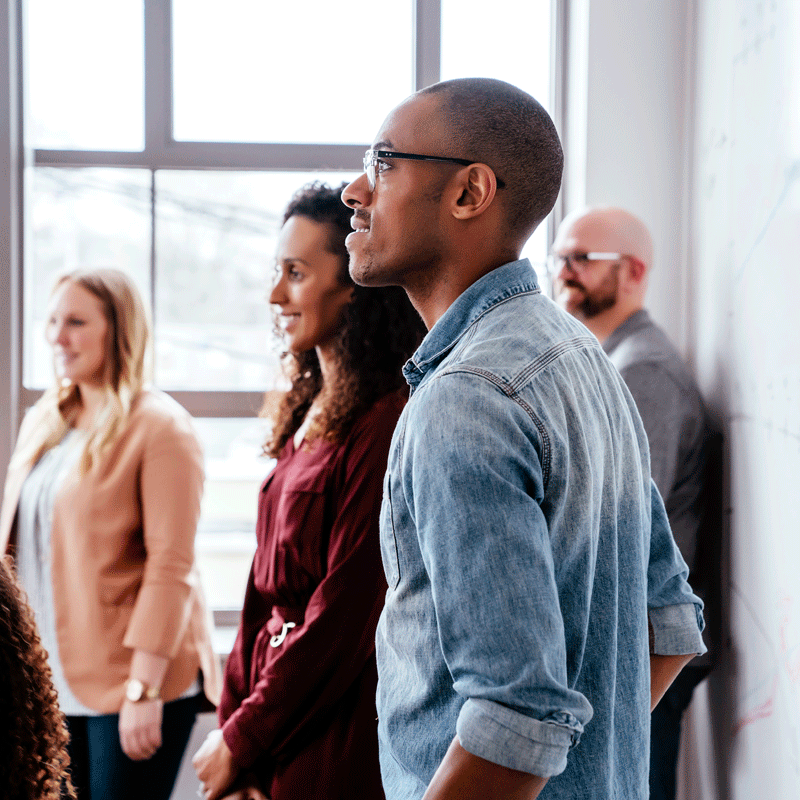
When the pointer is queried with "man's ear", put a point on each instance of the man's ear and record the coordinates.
(636, 270)
(476, 187)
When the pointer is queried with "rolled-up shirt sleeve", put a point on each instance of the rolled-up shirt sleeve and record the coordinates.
(675, 612)
(490, 563)
(506, 737)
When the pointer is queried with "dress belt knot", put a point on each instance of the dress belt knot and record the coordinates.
(282, 621)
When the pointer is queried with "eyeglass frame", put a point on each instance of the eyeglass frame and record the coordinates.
(371, 161)
(555, 261)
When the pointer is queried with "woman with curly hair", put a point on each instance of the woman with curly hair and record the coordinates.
(33, 733)
(298, 714)
(100, 511)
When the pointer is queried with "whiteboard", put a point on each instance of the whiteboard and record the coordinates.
(745, 289)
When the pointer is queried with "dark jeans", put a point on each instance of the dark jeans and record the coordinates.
(665, 732)
(101, 771)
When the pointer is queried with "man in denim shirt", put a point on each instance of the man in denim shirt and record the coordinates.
(524, 544)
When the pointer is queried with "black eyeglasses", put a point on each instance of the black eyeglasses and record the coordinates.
(372, 158)
(578, 261)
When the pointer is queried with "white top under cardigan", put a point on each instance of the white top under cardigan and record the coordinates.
(34, 520)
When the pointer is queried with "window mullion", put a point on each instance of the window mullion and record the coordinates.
(427, 42)
(157, 75)
(214, 404)
(215, 155)
(559, 65)
(11, 188)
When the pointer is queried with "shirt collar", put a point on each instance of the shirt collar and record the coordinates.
(637, 320)
(514, 278)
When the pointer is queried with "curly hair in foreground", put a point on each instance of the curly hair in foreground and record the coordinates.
(380, 329)
(34, 762)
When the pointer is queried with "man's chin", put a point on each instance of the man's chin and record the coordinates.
(359, 273)
(364, 273)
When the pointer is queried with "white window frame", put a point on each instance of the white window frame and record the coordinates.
(162, 152)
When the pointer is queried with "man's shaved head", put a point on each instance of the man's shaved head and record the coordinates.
(495, 123)
(605, 229)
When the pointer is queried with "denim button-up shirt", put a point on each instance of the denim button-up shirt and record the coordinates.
(525, 547)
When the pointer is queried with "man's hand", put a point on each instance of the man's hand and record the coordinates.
(215, 766)
(140, 728)
(463, 776)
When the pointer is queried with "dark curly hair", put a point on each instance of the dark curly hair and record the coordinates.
(34, 763)
(380, 330)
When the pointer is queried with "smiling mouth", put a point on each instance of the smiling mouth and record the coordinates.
(359, 224)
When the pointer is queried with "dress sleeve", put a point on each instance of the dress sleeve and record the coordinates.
(235, 687)
(171, 487)
(319, 662)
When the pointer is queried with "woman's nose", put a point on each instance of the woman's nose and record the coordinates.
(277, 296)
(56, 334)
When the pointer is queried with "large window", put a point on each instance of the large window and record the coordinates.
(166, 138)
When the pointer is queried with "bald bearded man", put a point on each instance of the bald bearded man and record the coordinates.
(601, 261)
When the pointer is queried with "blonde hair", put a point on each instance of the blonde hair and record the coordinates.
(126, 369)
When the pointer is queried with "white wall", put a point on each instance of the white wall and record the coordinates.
(626, 127)
(745, 235)
(688, 113)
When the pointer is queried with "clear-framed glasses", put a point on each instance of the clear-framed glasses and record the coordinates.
(373, 159)
(579, 262)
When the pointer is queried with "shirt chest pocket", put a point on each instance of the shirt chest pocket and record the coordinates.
(302, 521)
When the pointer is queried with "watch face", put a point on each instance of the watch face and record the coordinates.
(134, 690)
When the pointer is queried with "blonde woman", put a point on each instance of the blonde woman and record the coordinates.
(100, 511)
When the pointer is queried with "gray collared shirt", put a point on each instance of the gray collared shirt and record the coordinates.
(675, 419)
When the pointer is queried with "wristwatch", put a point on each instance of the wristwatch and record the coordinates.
(136, 691)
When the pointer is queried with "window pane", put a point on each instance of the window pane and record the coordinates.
(85, 70)
(80, 218)
(226, 537)
(279, 72)
(518, 53)
(515, 42)
(216, 237)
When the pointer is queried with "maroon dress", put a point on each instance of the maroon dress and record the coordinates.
(298, 704)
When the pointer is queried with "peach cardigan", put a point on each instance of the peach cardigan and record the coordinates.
(123, 569)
